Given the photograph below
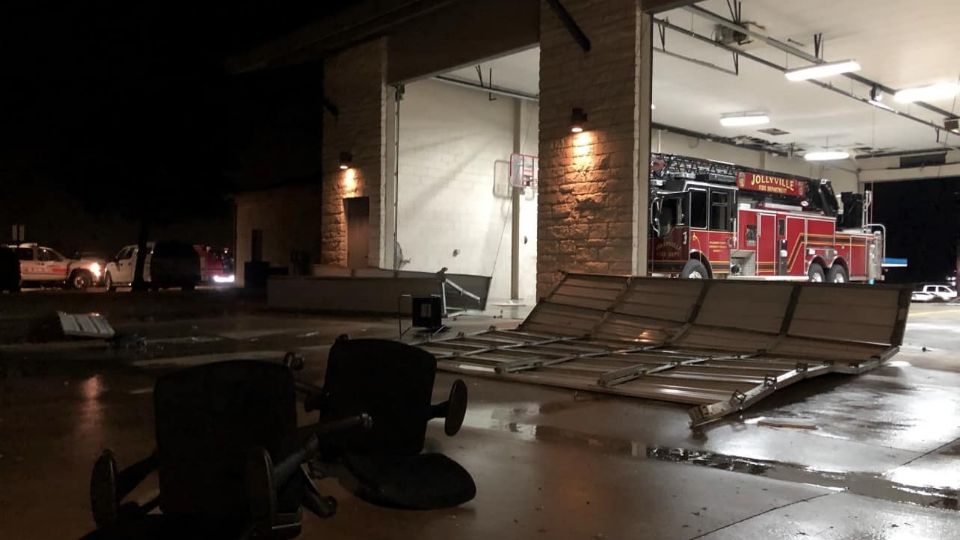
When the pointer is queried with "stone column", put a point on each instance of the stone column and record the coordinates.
(592, 185)
(354, 81)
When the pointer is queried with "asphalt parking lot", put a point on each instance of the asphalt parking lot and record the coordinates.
(882, 459)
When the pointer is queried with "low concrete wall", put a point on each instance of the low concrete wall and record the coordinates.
(369, 290)
(381, 296)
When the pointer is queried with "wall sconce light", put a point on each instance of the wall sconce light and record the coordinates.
(346, 160)
(577, 119)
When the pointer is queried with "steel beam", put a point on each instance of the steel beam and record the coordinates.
(570, 24)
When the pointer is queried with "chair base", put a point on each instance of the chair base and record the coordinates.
(420, 482)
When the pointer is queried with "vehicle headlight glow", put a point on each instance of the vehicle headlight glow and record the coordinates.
(223, 279)
(95, 269)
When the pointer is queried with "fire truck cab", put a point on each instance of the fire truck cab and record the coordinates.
(716, 220)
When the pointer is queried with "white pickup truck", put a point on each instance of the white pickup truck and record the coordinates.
(935, 293)
(41, 265)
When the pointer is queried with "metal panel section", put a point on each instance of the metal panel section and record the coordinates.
(720, 346)
(92, 325)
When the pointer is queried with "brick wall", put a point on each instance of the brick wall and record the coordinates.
(586, 192)
(354, 82)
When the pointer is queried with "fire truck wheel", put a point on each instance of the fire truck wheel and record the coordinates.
(815, 273)
(836, 274)
(694, 269)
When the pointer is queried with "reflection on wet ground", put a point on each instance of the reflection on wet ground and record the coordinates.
(869, 485)
(886, 440)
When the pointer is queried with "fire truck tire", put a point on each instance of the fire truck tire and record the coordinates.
(837, 274)
(694, 269)
(815, 273)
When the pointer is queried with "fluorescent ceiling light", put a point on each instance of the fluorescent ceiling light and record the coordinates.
(928, 93)
(826, 155)
(744, 119)
(819, 71)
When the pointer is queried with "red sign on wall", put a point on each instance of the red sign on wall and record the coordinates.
(771, 184)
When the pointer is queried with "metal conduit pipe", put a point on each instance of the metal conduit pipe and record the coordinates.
(490, 89)
(782, 69)
(800, 53)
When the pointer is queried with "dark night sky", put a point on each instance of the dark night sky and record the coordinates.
(923, 224)
(125, 108)
(114, 109)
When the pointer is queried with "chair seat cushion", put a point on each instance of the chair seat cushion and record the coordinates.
(420, 482)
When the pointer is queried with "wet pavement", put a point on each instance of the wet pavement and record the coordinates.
(875, 456)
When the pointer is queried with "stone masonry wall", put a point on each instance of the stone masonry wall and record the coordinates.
(586, 184)
(354, 81)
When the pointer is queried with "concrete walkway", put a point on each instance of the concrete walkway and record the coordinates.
(882, 462)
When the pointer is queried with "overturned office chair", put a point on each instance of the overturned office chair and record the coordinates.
(232, 463)
(393, 383)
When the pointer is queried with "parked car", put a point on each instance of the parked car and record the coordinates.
(9, 270)
(920, 296)
(943, 293)
(40, 265)
(167, 264)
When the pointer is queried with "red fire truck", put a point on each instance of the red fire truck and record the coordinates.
(716, 220)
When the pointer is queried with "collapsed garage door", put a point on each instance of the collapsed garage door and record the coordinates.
(718, 345)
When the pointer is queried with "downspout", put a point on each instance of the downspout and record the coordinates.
(398, 97)
(515, 205)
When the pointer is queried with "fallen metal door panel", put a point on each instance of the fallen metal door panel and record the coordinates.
(92, 325)
(719, 345)
(742, 306)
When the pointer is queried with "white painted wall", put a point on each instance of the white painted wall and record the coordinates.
(841, 174)
(449, 212)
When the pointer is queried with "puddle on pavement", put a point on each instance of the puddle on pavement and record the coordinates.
(864, 484)
(868, 485)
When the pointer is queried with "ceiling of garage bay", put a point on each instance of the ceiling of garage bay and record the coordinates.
(899, 44)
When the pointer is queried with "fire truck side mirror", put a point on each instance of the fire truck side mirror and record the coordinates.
(655, 216)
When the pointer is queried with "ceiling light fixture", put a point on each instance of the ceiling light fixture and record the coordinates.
(826, 155)
(577, 119)
(933, 92)
(744, 119)
(820, 71)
